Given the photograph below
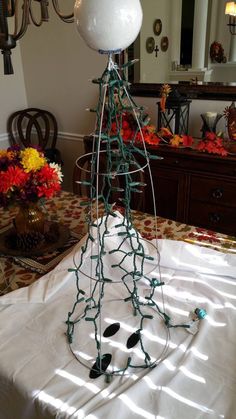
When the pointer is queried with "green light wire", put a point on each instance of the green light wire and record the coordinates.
(120, 158)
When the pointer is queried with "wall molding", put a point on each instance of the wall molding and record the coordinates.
(70, 136)
(65, 136)
(4, 137)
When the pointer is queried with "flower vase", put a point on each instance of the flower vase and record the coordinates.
(30, 218)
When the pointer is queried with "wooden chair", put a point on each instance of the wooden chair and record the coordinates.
(35, 126)
(82, 172)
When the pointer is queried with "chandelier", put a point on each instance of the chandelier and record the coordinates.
(22, 13)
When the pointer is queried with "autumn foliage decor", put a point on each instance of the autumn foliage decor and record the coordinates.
(212, 144)
(26, 176)
(26, 179)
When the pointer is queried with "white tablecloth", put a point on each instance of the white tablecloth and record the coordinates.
(41, 379)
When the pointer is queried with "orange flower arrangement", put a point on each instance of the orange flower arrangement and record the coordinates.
(212, 144)
(129, 132)
(26, 176)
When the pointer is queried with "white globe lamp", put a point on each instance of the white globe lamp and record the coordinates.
(108, 26)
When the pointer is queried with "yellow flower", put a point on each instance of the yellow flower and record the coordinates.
(176, 141)
(151, 128)
(31, 159)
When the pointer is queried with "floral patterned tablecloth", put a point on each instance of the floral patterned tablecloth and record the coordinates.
(66, 208)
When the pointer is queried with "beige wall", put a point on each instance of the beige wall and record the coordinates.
(12, 92)
(151, 67)
(57, 68)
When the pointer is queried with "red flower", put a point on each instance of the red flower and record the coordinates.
(212, 144)
(211, 136)
(113, 128)
(187, 140)
(127, 134)
(13, 176)
(48, 191)
(125, 125)
(152, 139)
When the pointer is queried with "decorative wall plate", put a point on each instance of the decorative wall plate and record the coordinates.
(164, 43)
(150, 44)
(157, 26)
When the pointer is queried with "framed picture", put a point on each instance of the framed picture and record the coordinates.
(157, 26)
(164, 43)
(150, 44)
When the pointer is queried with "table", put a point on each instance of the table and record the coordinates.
(41, 378)
(66, 208)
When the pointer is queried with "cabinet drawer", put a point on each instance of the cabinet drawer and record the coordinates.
(215, 190)
(217, 218)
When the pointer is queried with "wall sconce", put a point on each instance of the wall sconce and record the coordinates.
(22, 12)
(230, 9)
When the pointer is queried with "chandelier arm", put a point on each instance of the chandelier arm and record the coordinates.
(39, 23)
(25, 19)
(3, 20)
(66, 18)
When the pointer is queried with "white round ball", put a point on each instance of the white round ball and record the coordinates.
(108, 25)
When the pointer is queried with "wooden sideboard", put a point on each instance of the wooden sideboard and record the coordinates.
(194, 188)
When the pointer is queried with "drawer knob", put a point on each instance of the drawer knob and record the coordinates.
(217, 193)
(214, 218)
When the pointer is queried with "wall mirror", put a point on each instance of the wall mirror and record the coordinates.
(181, 56)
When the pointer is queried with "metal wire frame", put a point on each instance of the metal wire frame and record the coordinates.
(131, 271)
